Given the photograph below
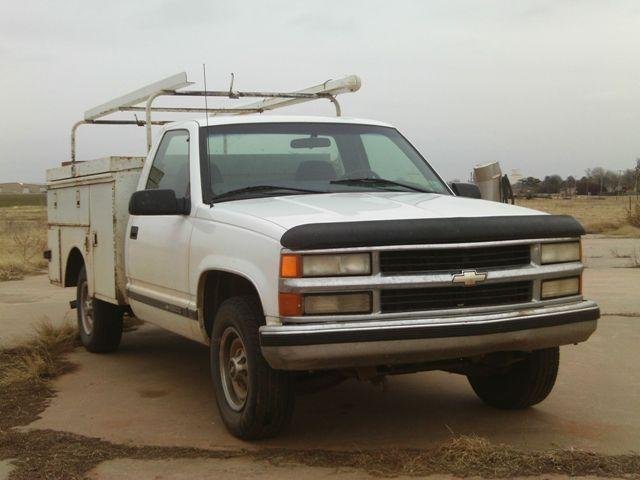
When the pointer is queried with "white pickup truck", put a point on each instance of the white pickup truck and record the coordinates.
(311, 247)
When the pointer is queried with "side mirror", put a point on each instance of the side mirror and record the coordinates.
(469, 190)
(158, 202)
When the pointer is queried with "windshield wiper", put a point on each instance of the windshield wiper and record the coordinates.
(379, 181)
(260, 188)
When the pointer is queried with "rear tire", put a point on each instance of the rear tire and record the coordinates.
(99, 323)
(254, 400)
(526, 383)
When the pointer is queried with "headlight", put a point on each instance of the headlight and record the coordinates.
(292, 266)
(330, 265)
(326, 304)
(560, 252)
(562, 287)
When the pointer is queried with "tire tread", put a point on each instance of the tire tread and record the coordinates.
(529, 383)
(107, 323)
(274, 404)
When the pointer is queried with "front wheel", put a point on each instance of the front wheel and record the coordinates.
(99, 323)
(254, 400)
(522, 385)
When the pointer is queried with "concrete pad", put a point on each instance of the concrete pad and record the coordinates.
(213, 469)
(611, 252)
(25, 303)
(617, 290)
(208, 469)
(156, 391)
(5, 469)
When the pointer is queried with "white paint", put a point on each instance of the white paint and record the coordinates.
(167, 260)
(88, 205)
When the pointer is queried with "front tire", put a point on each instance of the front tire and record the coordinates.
(254, 400)
(99, 323)
(524, 384)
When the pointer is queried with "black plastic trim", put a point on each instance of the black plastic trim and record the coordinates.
(274, 339)
(168, 307)
(429, 231)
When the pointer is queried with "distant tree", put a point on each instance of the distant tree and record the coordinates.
(570, 182)
(611, 182)
(587, 186)
(628, 180)
(532, 183)
(596, 175)
(551, 184)
(528, 186)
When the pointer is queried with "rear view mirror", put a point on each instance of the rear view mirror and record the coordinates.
(310, 142)
(469, 190)
(158, 202)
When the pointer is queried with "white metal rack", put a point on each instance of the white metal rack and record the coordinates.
(141, 100)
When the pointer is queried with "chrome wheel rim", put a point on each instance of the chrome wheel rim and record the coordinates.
(86, 308)
(234, 370)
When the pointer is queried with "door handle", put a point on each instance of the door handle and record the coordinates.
(134, 232)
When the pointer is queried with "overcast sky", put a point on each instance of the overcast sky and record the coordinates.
(541, 86)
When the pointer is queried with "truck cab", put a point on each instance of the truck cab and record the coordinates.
(308, 247)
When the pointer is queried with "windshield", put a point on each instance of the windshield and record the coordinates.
(267, 159)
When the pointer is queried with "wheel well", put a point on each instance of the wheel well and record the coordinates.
(75, 262)
(217, 286)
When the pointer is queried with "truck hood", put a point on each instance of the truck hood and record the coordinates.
(291, 211)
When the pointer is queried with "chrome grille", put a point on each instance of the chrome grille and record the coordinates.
(437, 298)
(454, 259)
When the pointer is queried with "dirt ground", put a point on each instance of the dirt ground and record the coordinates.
(156, 391)
(26, 302)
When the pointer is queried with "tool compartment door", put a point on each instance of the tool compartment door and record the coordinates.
(53, 244)
(102, 240)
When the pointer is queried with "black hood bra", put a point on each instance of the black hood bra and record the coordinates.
(429, 231)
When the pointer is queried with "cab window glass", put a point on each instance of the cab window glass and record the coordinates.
(170, 168)
(388, 160)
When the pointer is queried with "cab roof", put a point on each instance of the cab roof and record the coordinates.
(262, 118)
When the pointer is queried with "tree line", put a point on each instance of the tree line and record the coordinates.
(595, 181)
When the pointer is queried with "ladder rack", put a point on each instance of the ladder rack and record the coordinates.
(141, 100)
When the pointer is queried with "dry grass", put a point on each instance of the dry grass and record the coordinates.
(22, 199)
(606, 215)
(26, 369)
(23, 238)
(46, 454)
(41, 358)
(633, 214)
(464, 456)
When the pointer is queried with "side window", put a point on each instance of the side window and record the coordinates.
(170, 168)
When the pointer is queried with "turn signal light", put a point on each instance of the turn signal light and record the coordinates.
(290, 266)
(290, 304)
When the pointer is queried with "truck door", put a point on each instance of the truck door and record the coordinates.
(157, 253)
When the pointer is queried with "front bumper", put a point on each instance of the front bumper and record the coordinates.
(361, 344)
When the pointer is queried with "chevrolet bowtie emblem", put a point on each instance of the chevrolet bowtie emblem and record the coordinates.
(469, 278)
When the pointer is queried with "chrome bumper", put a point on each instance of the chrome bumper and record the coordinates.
(360, 344)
